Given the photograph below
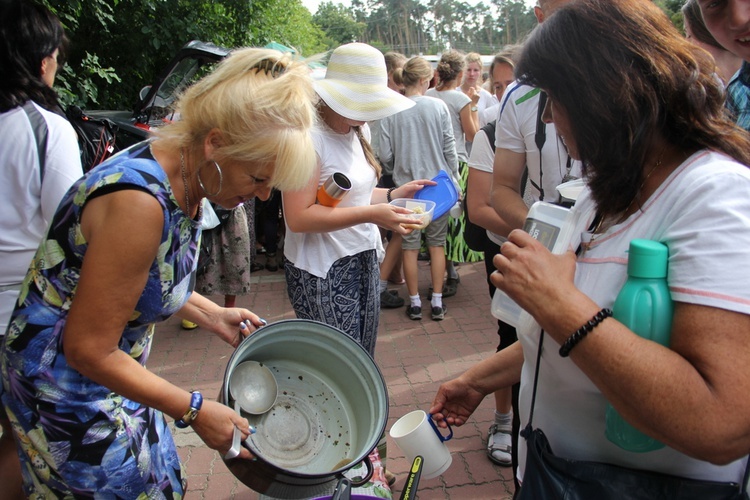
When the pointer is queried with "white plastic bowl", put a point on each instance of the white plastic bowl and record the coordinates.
(422, 209)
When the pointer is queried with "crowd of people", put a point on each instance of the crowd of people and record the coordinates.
(655, 123)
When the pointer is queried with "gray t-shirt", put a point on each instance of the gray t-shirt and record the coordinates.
(418, 142)
(456, 101)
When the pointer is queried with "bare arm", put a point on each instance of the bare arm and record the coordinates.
(692, 396)
(506, 197)
(123, 231)
(479, 209)
(457, 399)
(304, 215)
(224, 322)
(469, 121)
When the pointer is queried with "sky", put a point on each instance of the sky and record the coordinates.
(312, 5)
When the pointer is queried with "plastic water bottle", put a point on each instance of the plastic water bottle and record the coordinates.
(456, 210)
(645, 306)
(551, 225)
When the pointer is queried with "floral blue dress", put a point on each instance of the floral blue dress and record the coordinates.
(76, 437)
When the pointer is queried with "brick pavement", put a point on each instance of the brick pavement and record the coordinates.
(414, 356)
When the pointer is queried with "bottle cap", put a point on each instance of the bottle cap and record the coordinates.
(647, 259)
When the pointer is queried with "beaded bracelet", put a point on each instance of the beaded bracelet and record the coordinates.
(388, 194)
(578, 335)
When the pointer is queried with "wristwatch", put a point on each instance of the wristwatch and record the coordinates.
(196, 401)
(474, 108)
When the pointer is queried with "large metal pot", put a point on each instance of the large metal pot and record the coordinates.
(331, 411)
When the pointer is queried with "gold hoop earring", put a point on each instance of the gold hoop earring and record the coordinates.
(221, 181)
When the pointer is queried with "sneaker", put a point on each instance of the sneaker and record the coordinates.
(271, 264)
(390, 300)
(438, 313)
(499, 446)
(414, 312)
(188, 325)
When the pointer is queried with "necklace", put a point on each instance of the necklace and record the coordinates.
(185, 182)
(645, 179)
(597, 231)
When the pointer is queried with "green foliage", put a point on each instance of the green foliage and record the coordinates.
(338, 24)
(119, 46)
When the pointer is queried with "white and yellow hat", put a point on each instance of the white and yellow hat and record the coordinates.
(356, 84)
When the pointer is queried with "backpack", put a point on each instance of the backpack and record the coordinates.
(476, 236)
(96, 137)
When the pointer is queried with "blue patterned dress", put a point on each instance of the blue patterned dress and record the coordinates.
(77, 438)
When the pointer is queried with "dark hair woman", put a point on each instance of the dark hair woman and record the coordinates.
(40, 161)
(663, 162)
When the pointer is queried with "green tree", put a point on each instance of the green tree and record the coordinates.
(118, 46)
(338, 24)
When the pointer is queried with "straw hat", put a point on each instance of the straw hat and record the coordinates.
(356, 84)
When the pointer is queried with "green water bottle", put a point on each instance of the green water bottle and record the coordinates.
(645, 306)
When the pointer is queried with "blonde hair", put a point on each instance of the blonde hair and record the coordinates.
(416, 69)
(393, 61)
(473, 57)
(262, 103)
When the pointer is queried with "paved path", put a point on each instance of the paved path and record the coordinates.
(414, 356)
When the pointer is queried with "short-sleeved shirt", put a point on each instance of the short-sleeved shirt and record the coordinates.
(738, 96)
(702, 213)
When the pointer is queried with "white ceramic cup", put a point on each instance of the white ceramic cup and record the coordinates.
(416, 434)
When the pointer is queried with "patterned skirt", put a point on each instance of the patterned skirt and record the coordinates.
(227, 270)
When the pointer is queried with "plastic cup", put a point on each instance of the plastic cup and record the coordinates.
(417, 435)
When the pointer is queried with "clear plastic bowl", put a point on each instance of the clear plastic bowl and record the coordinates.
(422, 209)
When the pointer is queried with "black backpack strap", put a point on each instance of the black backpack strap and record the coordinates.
(39, 126)
(489, 130)
(540, 137)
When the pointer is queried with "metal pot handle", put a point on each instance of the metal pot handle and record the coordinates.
(368, 476)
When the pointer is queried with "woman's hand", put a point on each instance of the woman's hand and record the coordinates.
(235, 323)
(454, 403)
(409, 189)
(394, 218)
(536, 279)
(215, 425)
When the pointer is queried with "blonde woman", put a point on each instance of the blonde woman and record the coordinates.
(119, 257)
(472, 81)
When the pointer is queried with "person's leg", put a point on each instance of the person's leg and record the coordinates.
(391, 264)
(271, 229)
(411, 271)
(390, 299)
(11, 482)
(410, 245)
(501, 442)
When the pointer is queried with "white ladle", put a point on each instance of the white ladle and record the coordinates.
(253, 387)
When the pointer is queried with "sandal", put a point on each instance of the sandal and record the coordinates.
(499, 453)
